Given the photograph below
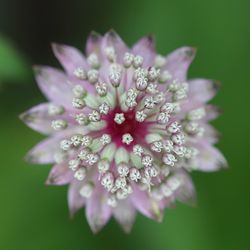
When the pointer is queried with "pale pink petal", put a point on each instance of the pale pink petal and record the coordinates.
(69, 57)
(93, 44)
(209, 158)
(125, 214)
(146, 205)
(145, 47)
(54, 84)
(75, 200)
(202, 90)
(97, 210)
(60, 174)
(177, 62)
(112, 39)
(43, 152)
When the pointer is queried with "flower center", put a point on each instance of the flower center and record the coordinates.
(123, 128)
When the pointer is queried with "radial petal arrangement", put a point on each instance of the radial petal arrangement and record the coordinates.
(125, 128)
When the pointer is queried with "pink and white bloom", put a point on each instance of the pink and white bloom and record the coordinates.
(125, 127)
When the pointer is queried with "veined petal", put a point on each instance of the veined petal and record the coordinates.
(97, 210)
(54, 84)
(69, 57)
(125, 214)
(202, 90)
(60, 174)
(146, 205)
(75, 200)
(145, 47)
(177, 62)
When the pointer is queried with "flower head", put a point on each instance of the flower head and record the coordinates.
(125, 127)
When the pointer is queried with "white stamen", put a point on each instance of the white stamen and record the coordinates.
(93, 61)
(174, 127)
(141, 83)
(153, 74)
(105, 139)
(169, 159)
(104, 108)
(163, 118)
(179, 150)
(123, 169)
(93, 76)
(120, 182)
(110, 53)
(152, 88)
(59, 124)
(150, 103)
(140, 116)
(76, 140)
(178, 138)
(55, 109)
(119, 118)
(81, 119)
(165, 76)
(83, 154)
(80, 73)
(78, 91)
(86, 140)
(73, 164)
(94, 116)
(159, 61)
(107, 180)
(101, 88)
(157, 146)
(127, 138)
(80, 174)
(138, 61)
(138, 150)
(134, 174)
(78, 103)
(128, 60)
(103, 166)
(92, 159)
(150, 172)
(140, 73)
(65, 145)
(147, 161)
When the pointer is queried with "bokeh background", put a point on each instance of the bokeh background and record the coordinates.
(34, 216)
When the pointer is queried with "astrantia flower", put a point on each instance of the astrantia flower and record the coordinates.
(125, 127)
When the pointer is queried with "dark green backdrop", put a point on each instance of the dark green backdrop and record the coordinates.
(34, 216)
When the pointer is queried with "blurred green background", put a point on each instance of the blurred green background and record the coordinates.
(34, 216)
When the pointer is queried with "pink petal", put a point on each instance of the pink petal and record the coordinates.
(60, 174)
(209, 158)
(69, 57)
(186, 193)
(97, 210)
(93, 44)
(125, 214)
(75, 200)
(177, 62)
(145, 47)
(54, 85)
(146, 205)
(202, 90)
(112, 39)
(43, 152)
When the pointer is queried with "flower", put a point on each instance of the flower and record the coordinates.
(125, 128)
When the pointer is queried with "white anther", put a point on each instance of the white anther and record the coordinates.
(115, 78)
(55, 109)
(110, 53)
(93, 61)
(174, 127)
(168, 146)
(59, 124)
(150, 172)
(131, 102)
(73, 164)
(138, 61)
(94, 116)
(165, 76)
(159, 61)
(107, 180)
(152, 88)
(140, 116)
(78, 91)
(101, 88)
(134, 174)
(128, 59)
(104, 108)
(153, 74)
(123, 169)
(179, 150)
(178, 138)
(119, 118)
(83, 154)
(105, 139)
(78, 103)
(86, 140)
(147, 160)
(169, 159)
(80, 73)
(157, 146)
(92, 159)
(120, 182)
(127, 138)
(81, 119)
(167, 107)
(163, 118)
(138, 150)
(93, 76)
(65, 145)
(103, 166)
(80, 174)
(140, 73)
(76, 140)
(141, 83)
(150, 102)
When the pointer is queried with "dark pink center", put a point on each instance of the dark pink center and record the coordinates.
(137, 130)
